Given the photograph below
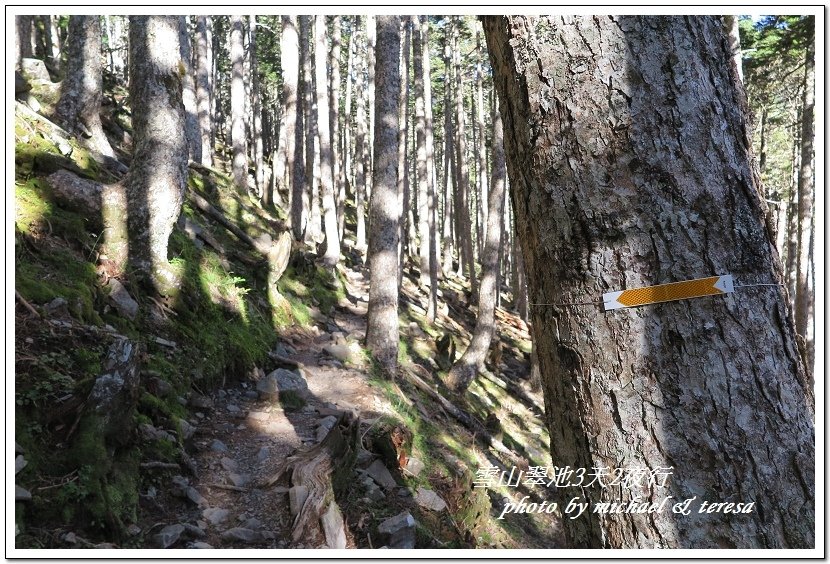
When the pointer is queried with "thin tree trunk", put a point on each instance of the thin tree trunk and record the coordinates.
(463, 371)
(336, 121)
(256, 119)
(803, 296)
(711, 389)
(361, 92)
(432, 308)
(292, 130)
(421, 174)
(332, 254)
(312, 161)
(449, 175)
(23, 39)
(239, 142)
(403, 155)
(158, 174)
(192, 132)
(371, 37)
(732, 29)
(479, 127)
(203, 66)
(382, 317)
(55, 55)
(347, 147)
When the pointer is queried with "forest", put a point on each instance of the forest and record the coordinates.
(414, 282)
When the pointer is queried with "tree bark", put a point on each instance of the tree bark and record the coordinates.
(463, 371)
(803, 296)
(239, 142)
(332, 254)
(630, 165)
(421, 175)
(82, 90)
(404, 196)
(23, 38)
(360, 159)
(348, 146)
(732, 30)
(192, 128)
(382, 320)
(203, 66)
(432, 307)
(158, 173)
(292, 124)
(313, 230)
(336, 121)
(256, 118)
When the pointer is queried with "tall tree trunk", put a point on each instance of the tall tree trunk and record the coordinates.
(332, 255)
(192, 132)
(347, 147)
(479, 127)
(432, 308)
(336, 121)
(421, 175)
(803, 296)
(371, 38)
(156, 181)
(463, 371)
(239, 142)
(361, 92)
(292, 116)
(203, 66)
(23, 39)
(403, 155)
(256, 118)
(449, 189)
(382, 318)
(732, 30)
(82, 89)
(312, 148)
(610, 193)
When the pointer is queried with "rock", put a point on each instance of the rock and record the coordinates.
(328, 422)
(187, 429)
(200, 544)
(218, 446)
(263, 454)
(233, 408)
(414, 466)
(18, 449)
(133, 530)
(280, 350)
(281, 380)
(332, 524)
(381, 475)
(252, 523)
(193, 531)
(250, 394)
(229, 464)
(398, 531)
(116, 391)
(168, 536)
(296, 498)
(364, 458)
(19, 464)
(150, 433)
(428, 499)
(21, 85)
(57, 308)
(21, 494)
(199, 401)
(215, 515)
(241, 534)
(195, 497)
(321, 433)
(180, 485)
(239, 480)
(121, 299)
(343, 353)
(159, 387)
(34, 69)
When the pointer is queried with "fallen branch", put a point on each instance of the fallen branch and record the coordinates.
(207, 208)
(158, 465)
(459, 415)
(227, 487)
(26, 304)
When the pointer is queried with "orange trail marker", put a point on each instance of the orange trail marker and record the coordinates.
(712, 286)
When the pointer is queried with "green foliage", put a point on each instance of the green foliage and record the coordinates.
(291, 401)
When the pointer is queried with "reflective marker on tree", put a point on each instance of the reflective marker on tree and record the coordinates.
(711, 286)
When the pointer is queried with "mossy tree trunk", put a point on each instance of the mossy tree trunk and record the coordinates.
(158, 173)
(630, 164)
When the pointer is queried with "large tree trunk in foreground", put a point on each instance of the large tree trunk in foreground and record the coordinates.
(158, 173)
(629, 163)
(384, 211)
(81, 91)
(463, 371)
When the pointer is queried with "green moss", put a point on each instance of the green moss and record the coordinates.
(168, 408)
(291, 401)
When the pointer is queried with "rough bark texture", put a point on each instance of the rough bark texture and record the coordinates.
(629, 163)
(382, 321)
(421, 157)
(256, 118)
(804, 296)
(360, 158)
(332, 255)
(432, 307)
(313, 231)
(404, 196)
(292, 126)
(81, 91)
(239, 141)
(463, 371)
(192, 130)
(158, 173)
(203, 66)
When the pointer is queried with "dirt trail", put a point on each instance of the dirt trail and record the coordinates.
(241, 439)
